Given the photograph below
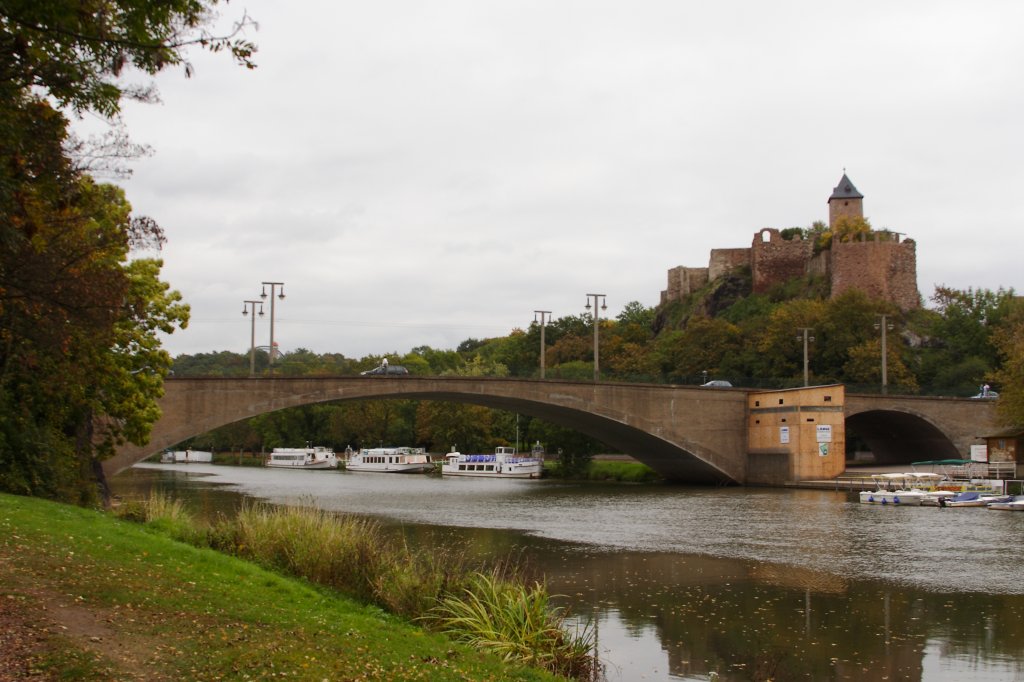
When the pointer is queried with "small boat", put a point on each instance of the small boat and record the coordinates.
(303, 458)
(974, 499)
(892, 490)
(504, 463)
(401, 460)
(1015, 503)
(185, 456)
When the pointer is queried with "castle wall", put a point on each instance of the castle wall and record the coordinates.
(881, 269)
(683, 281)
(727, 261)
(775, 260)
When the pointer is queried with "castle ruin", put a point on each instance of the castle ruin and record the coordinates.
(879, 264)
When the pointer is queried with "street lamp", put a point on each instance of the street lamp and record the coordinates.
(545, 315)
(805, 331)
(884, 326)
(598, 298)
(263, 295)
(252, 341)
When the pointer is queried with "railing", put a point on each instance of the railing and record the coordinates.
(996, 470)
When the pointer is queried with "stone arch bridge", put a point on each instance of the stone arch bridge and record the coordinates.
(686, 434)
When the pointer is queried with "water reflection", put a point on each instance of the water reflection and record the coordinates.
(683, 583)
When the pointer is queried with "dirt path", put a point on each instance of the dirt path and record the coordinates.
(39, 624)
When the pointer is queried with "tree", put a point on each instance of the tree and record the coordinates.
(80, 363)
(443, 425)
(76, 52)
(960, 350)
(1009, 342)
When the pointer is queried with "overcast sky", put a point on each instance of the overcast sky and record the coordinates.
(419, 173)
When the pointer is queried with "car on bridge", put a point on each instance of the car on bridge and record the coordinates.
(985, 395)
(717, 383)
(385, 370)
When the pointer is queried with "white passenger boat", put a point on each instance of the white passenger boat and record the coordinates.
(892, 490)
(186, 456)
(504, 463)
(402, 460)
(303, 458)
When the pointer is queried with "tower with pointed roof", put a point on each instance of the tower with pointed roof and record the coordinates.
(845, 201)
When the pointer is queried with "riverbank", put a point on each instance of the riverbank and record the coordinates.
(88, 597)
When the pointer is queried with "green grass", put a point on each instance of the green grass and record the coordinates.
(191, 613)
(626, 472)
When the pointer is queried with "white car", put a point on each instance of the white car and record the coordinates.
(717, 383)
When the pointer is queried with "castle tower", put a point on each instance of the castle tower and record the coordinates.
(845, 201)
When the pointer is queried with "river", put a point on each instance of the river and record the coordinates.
(689, 583)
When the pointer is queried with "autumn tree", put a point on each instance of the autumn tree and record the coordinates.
(81, 366)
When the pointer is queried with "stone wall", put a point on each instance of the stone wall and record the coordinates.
(727, 261)
(881, 269)
(683, 281)
(774, 260)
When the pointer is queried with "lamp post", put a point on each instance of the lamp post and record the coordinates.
(884, 326)
(545, 315)
(252, 339)
(273, 286)
(598, 298)
(805, 331)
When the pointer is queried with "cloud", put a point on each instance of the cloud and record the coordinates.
(421, 173)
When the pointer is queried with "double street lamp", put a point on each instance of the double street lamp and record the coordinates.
(598, 298)
(805, 331)
(273, 286)
(884, 326)
(545, 315)
(252, 342)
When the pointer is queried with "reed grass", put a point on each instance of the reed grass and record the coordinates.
(493, 609)
(165, 514)
(517, 622)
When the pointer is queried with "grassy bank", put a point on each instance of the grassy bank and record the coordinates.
(622, 471)
(100, 599)
(611, 470)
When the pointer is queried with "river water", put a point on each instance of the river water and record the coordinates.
(690, 583)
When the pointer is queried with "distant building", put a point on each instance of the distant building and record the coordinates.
(880, 264)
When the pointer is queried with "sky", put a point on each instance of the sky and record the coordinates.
(421, 173)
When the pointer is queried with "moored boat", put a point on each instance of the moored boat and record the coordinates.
(400, 460)
(1015, 503)
(303, 458)
(186, 456)
(892, 490)
(504, 463)
(974, 499)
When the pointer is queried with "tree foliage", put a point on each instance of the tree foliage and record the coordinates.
(81, 366)
(77, 51)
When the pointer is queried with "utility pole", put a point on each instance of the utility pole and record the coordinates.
(252, 339)
(597, 298)
(545, 315)
(805, 331)
(273, 286)
(884, 326)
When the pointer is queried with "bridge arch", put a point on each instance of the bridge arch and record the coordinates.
(898, 437)
(904, 429)
(684, 434)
